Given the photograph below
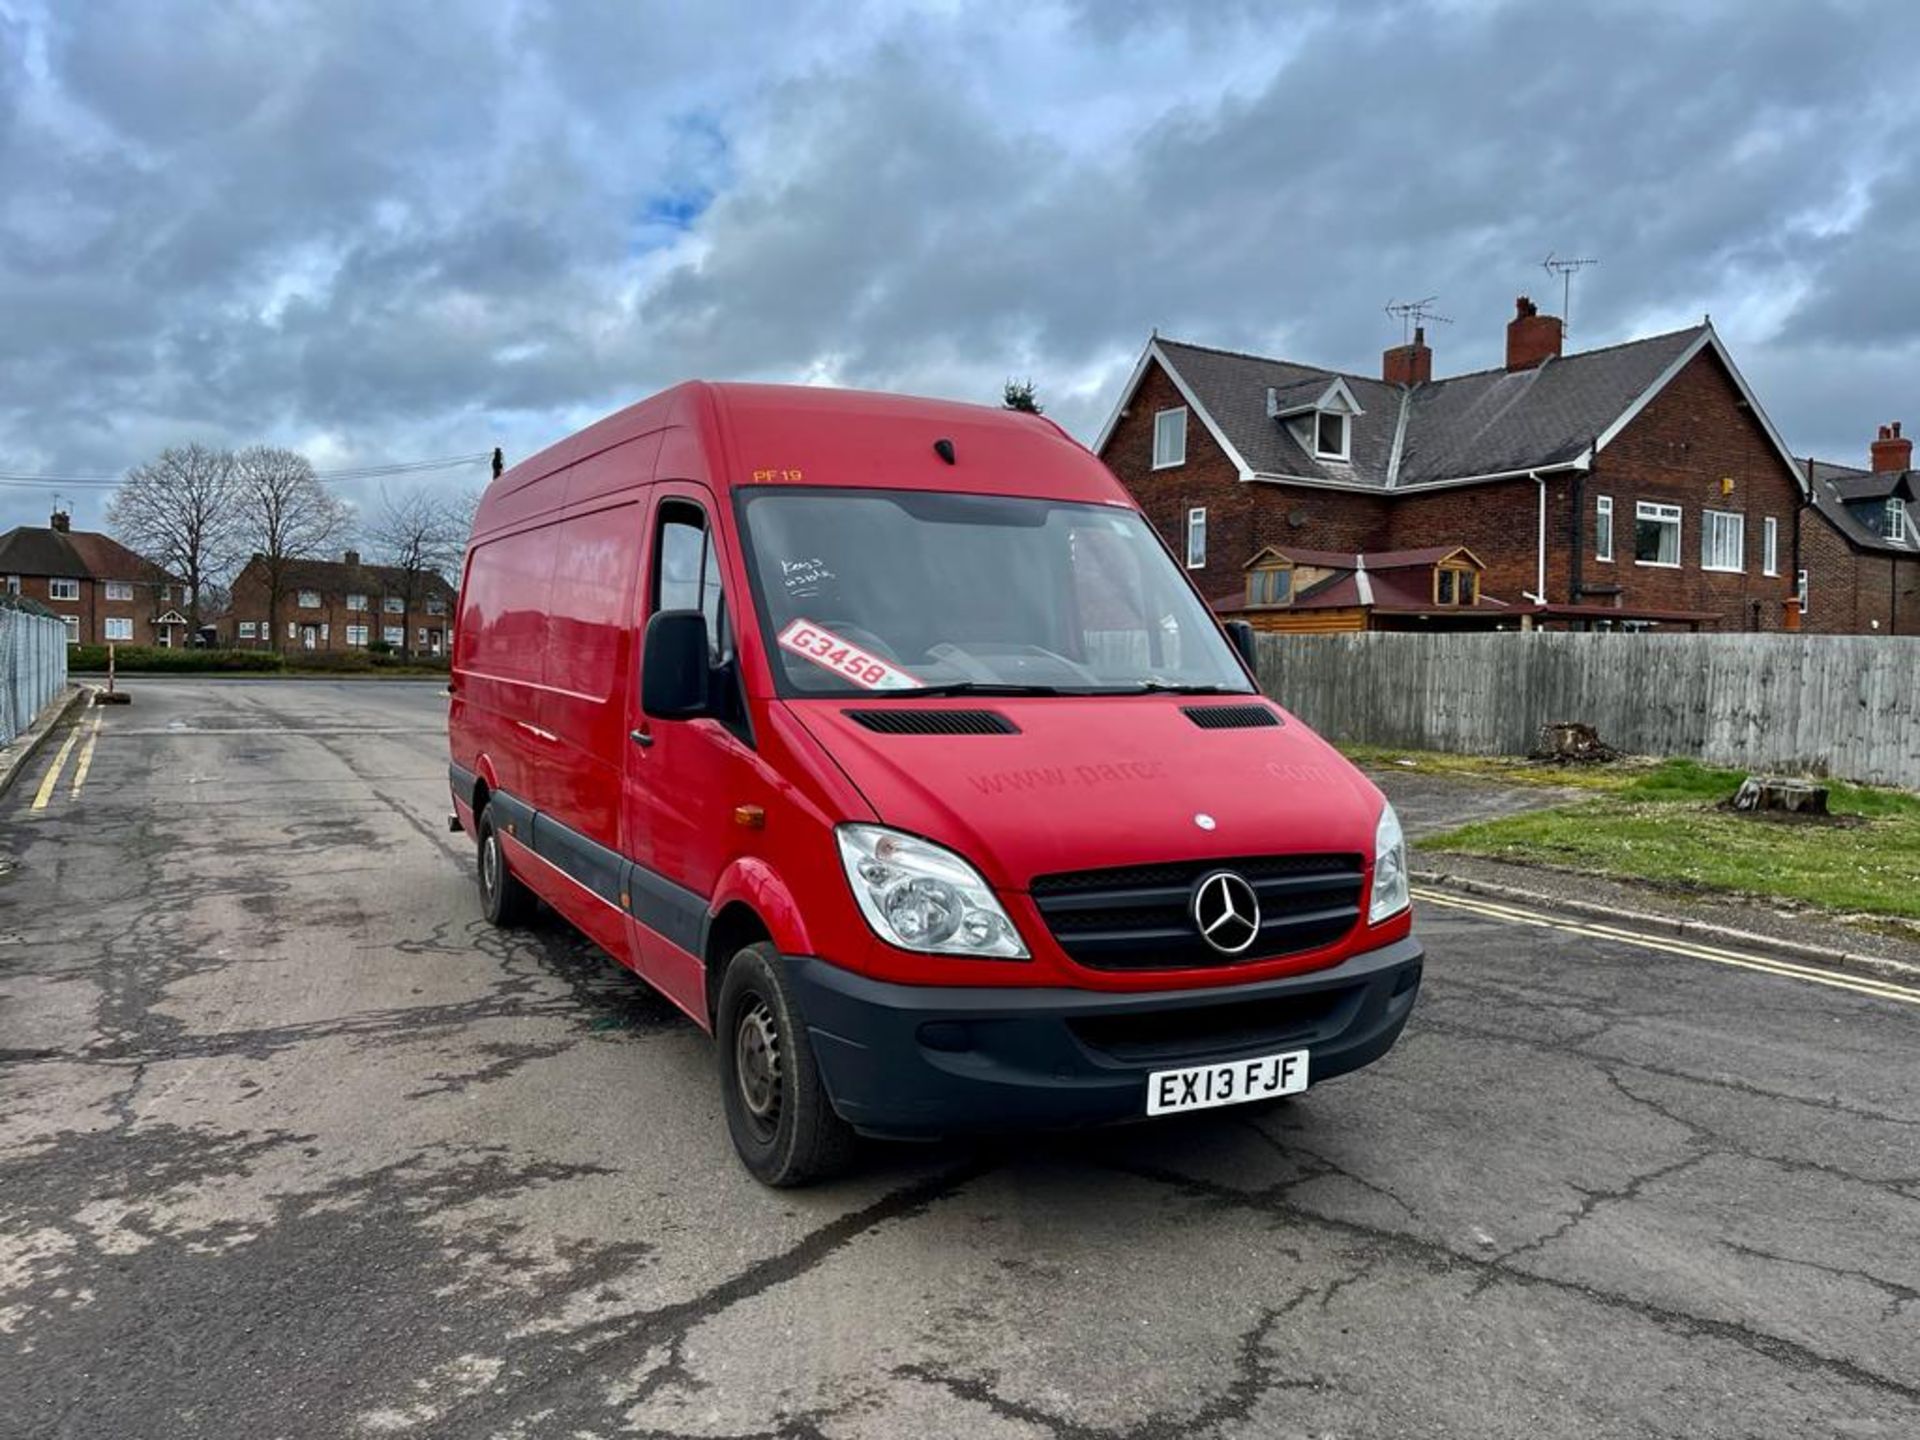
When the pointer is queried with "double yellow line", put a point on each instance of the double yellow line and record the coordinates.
(1692, 949)
(51, 781)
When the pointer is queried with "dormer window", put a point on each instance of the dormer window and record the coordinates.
(1270, 585)
(1455, 584)
(1896, 526)
(1329, 435)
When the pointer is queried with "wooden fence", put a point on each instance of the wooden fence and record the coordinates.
(1842, 705)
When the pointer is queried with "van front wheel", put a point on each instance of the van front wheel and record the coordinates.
(782, 1123)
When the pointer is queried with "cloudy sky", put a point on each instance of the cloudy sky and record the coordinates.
(386, 232)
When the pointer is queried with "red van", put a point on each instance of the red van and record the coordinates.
(885, 738)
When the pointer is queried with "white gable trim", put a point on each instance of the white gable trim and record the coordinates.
(172, 617)
(1153, 353)
(1337, 398)
(1709, 339)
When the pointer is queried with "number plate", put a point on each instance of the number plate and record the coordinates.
(845, 659)
(1201, 1087)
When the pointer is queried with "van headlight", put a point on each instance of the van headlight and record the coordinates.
(1389, 868)
(921, 897)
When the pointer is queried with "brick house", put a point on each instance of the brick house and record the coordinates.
(102, 590)
(1316, 591)
(1862, 542)
(340, 605)
(1632, 486)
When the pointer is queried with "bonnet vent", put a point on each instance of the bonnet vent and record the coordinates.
(1231, 717)
(934, 722)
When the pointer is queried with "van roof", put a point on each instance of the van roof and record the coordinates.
(814, 435)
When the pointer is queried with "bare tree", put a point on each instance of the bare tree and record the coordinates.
(290, 516)
(422, 535)
(182, 511)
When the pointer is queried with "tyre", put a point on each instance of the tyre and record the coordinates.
(782, 1123)
(503, 899)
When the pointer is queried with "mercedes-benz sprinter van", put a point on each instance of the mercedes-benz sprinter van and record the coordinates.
(885, 738)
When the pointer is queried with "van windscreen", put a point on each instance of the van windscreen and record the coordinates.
(878, 591)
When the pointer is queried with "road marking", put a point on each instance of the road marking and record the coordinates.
(45, 793)
(1739, 959)
(85, 762)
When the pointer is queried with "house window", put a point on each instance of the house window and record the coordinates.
(1656, 534)
(166, 593)
(1770, 545)
(436, 606)
(1896, 527)
(246, 629)
(394, 605)
(119, 628)
(1197, 537)
(420, 636)
(72, 622)
(119, 590)
(1603, 527)
(1723, 540)
(13, 584)
(356, 634)
(1330, 435)
(1456, 585)
(309, 599)
(395, 635)
(1270, 585)
(356, 602)
(1802, 591)
(293, 630)
(1170, 438)
(63, 590)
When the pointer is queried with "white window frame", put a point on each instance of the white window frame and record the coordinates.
(394, 635)
(393, 605)
(308, 600)
(1197, 538)
(436, 605)
(1603, 528)
(1769, 546)
(1661, 513)
(63, 588)
(1802, 591)
(1346, 435)
(293, 629)
(119, 590)
(356, 602)
(119, 627)
(1713, 527)
(357, 635)
(246, 629)
(13, 584)
(1896, 525)
(420, 642)
(72, 622)
(1163, 457)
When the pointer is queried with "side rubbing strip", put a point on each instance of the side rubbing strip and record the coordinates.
(461, 780)
(585, 861)
(667, 909)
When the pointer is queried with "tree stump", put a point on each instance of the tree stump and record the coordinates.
(1779, 793)
(1569, 740)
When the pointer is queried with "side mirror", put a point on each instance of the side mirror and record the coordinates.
(1240, 633)
(674, 669)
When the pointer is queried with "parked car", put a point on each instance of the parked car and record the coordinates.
(888, 742)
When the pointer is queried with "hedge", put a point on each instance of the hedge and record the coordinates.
(149, 660)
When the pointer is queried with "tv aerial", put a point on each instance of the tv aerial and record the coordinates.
(1415, 315)
(1566, 269)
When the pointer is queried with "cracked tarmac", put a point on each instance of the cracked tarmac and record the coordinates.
(291, 1144)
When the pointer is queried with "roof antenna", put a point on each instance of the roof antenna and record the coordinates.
(1413, 314)
(499, 462)
(1565, 269)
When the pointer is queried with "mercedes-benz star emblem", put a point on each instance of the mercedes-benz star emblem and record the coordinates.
(1226, 911)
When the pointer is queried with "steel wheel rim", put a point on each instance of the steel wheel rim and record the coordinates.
(756, 1065)
(490, 864)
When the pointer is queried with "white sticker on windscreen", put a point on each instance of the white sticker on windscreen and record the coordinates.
(844, 658)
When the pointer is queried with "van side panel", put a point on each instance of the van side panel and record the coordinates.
(499, 664)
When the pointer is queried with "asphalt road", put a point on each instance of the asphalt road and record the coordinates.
(292, 1144)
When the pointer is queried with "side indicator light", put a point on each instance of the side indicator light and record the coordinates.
(751, 816)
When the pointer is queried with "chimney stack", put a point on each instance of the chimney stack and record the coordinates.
(1408, 364)
(353, 557)
(62, 521)
(1892, 451)
(1532, 338)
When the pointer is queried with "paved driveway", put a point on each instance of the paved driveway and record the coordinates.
(292, 1144)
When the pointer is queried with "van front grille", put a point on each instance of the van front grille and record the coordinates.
(1231, 717)
(1140, 917)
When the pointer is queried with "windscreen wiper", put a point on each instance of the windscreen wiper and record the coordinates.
(1167, 687)
(981, 687)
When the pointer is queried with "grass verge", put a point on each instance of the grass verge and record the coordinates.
(1662, 823)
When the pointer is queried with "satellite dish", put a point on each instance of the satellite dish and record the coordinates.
(1296, 517)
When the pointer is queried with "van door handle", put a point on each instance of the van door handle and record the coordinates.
(640, 737)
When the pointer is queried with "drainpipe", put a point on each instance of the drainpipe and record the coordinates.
(1539, 596)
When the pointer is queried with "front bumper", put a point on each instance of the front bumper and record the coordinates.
(911, 1061)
